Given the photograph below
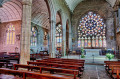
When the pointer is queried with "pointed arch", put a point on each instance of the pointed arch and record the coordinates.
(91, 31)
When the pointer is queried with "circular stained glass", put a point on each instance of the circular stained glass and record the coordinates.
(91, 31)
(91, 25)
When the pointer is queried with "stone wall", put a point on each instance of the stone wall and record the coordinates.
(3, 37)
(100, 7)
(118, 41)
(40, 39)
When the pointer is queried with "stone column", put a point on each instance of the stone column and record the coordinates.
(52, 48)
(26, 32)
(40, 39)
(64, 39)
(38, 42)
(119, 15)
(70, 37)
(110, 33)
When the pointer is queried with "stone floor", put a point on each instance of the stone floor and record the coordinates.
(92, 57)
(95, 72)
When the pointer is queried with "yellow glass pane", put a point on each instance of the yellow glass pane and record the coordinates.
(8, 38)
(13, 38)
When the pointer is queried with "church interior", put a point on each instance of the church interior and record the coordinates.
(60, 39)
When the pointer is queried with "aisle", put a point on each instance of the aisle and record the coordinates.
(95, 72)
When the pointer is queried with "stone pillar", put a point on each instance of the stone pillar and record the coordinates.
(26, 32)
(64, 39)
(110, 33)
(52, 48)
(119, 15)
(70, 37)
(40, 39)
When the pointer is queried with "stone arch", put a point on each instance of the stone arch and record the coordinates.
(106, 12)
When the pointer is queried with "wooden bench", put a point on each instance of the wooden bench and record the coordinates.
(39, 55)
(65, 66)
(60, 62)
(7, 63)
(65, 60)
(52, 70)
(116, 73)
(3, 54)
(25, 74)
(111, 68)
(1, 64)
(110, 62)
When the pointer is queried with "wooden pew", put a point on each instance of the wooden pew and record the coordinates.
(115, 71)
(117, 75)
(7, 63)
(113, 68)
(66, 66)
(55, 65)
(26, 74)
(65, 60)
(110, 62)
(60, 62)
(39, 55)
(1, 64)
(72, 61)
(52, 70)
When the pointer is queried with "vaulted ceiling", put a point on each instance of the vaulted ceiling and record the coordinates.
(11, 10)
(73, 3)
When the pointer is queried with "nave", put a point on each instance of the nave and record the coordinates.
(59, 39)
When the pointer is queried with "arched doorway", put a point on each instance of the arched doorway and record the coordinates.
(91, 31)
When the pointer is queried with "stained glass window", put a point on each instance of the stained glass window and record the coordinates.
(45, 35)
(11, 34)
(104, 41)
(58, 35)
(92, 28)
(34, 37)
(97, 45)
(86, 42)
(93, 42)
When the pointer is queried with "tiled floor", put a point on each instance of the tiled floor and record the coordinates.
(94, 66)
(95, 72)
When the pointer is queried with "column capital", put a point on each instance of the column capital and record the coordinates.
(25, 2)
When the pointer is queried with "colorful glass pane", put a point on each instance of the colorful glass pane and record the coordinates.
(97, 45)
(82, 43)
(93, 42)
(89, 43)
(79, 43)
(58, 35)
(104, 42)
(91, 25)
(11, 35)
(86, 43)
(34, 37)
